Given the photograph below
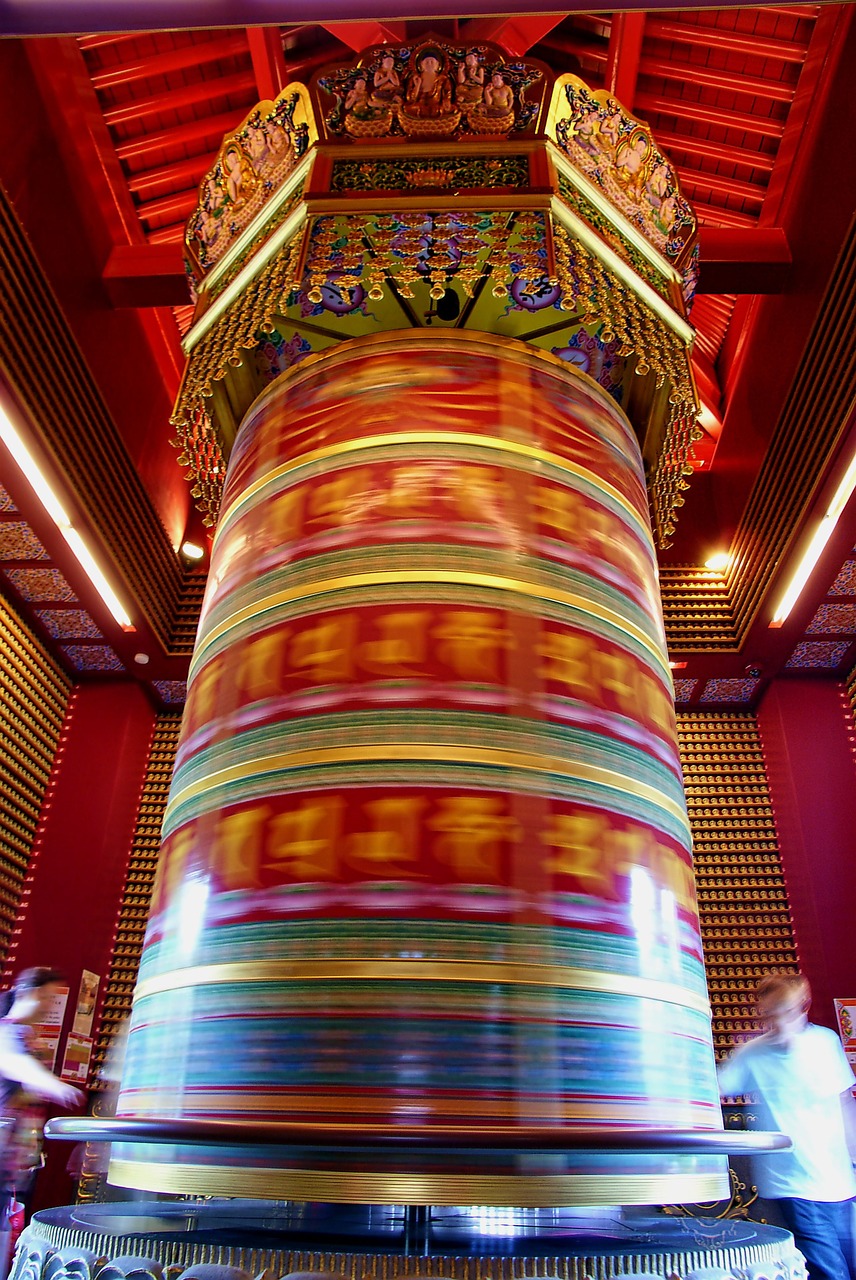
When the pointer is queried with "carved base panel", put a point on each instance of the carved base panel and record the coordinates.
(246, 1240)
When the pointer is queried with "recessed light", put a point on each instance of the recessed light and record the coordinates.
(192, 551)
(719, 562)
(142, 658)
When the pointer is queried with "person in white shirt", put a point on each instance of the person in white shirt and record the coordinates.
(800, 1079)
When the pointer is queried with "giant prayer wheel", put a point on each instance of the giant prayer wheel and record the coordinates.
(426, 859)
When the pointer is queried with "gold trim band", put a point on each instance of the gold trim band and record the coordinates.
(445, 753)
(341, 1187)
(401, 577)
(540, 975)
(495, 443)
(306, 1108)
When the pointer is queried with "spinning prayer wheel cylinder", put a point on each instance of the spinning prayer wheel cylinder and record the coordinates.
(426, 857)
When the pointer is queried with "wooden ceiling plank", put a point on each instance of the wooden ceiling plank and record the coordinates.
(152, 182)
(721, 184)
(174, 208)
(189, 95)
(265, 45)
(164, 140)
(713, 78)
(708, 36)
(722, 152)
(624, 54)
(581, 48)
(723, 117)
(189, 55)
(515, 34)
(800, 135)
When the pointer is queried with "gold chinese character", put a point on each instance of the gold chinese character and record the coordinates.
(400, 649)
(614, 673)
(284, 514)
(303, 844)
(171, 867)
(581, 851)
(410, 491)
(479, 494)
(325, 652)
(202, 696)
(472, 831)
(260, 666)
(391, 847)
(340, 500)
(470, 643)
(237, 845)
(567, 660)
(558, 509)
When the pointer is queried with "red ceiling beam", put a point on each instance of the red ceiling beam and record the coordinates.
(706, 35)
(690, 145)
(146, 276)
(241, 84)
(160, 181)
(61, 72)
(800, 137)
(732, 81)
(684, 109)
(362, 35)
(516, 35)
(172, 140)
(197, 54)
(626, 34)
(265, 45)
(734, 260)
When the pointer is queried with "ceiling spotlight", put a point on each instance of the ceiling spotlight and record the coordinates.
(719, 562)
(192, 551)
(142, 659)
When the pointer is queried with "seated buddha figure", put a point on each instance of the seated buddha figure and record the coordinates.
(498, 96)
(495, 113)
(386, 83)
(470, 86)
(429, 88)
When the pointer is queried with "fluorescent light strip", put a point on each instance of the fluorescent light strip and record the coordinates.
(627, 275)
(815, 548)
(60, 517)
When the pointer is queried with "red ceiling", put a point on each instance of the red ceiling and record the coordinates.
(741, 99)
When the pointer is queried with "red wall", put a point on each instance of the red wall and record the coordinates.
(807, 731)
(77, 875)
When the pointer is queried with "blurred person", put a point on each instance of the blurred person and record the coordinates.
(801, 1080)
(25, 1086)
